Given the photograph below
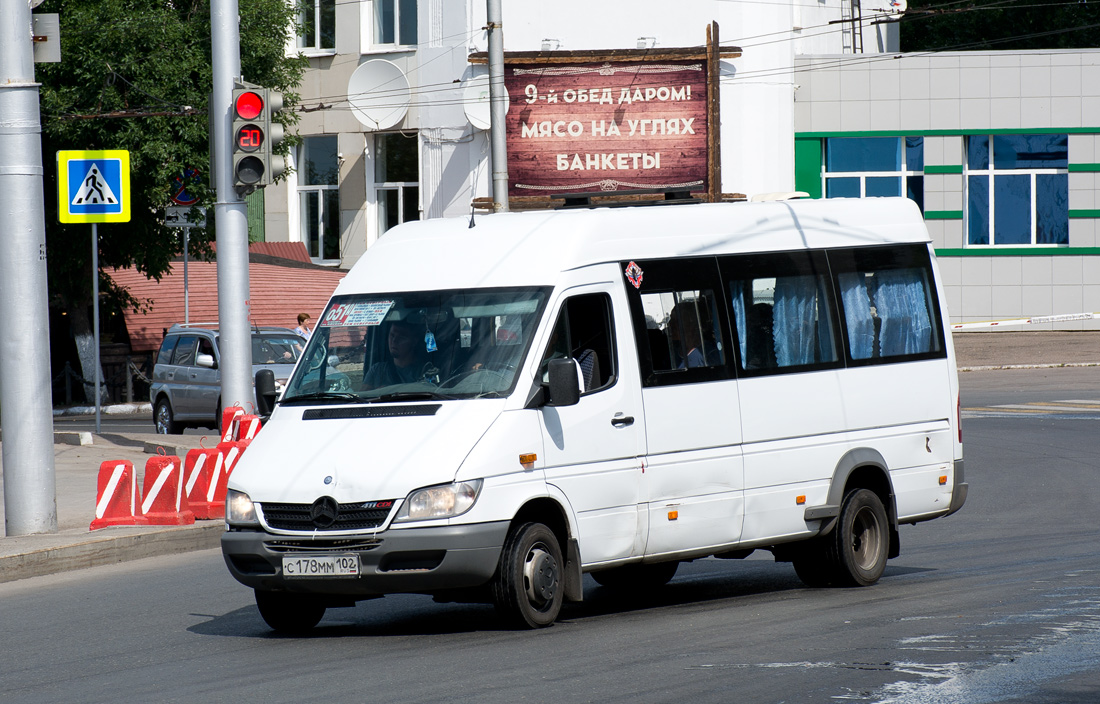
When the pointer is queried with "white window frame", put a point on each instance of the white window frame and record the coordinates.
(378, 188)
(904, 173)
(313, 48)
(299, 213)
(368, 13)
(990, 173)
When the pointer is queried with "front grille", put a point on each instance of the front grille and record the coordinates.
(314, 546)
(348, 517)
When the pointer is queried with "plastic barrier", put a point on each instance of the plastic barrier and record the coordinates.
(116, 496)
(247, 427)
(164, 503)
(205, 488)
(231, 417)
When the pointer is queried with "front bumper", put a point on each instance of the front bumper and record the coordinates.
(395, 561)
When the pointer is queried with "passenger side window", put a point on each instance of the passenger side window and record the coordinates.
(185, 351)
(675, 307)
(207, 347)
(583, 331)
(782, 312)
(889, 304)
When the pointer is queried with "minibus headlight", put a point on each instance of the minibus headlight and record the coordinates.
(239, 509)
(445, 501)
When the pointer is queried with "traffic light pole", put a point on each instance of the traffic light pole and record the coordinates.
(230, 213)
(30, 501)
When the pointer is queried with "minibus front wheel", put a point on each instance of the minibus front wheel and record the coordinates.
(292, 614)
(527, 588)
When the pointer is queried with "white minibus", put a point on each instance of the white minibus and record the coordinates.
(487, 411)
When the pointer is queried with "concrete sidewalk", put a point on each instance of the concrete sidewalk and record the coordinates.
(76, 467)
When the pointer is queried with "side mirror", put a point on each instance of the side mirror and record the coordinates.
(205, 360)
(265, 392)
(565, 388)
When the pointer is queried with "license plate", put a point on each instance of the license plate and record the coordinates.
(321, 566)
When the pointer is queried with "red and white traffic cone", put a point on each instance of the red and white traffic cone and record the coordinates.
(164, 502)
(205, 482)
(231, 416)
(116, 496)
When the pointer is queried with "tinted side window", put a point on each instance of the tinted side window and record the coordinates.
(890, 310)
(782, 308)
(207, 347)
(185, 350)
(676, 306)
(164, 356)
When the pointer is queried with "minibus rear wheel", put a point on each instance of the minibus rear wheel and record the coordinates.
(291, 614)
(527, 588)
(854, 553)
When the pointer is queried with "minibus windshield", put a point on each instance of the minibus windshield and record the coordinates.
(422, 345)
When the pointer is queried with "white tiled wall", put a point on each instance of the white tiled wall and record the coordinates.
(975, 91)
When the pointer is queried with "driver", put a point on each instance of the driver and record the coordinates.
(407, 363)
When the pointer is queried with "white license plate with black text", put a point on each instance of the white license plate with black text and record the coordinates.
(321, 565)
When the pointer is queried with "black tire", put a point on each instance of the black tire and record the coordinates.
(165, 420)
(527, 588)
(854, 554)
(292, 614)
(638, 577)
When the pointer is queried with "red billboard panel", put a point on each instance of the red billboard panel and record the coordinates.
(606, 126)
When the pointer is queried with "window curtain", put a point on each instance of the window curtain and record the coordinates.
(737, 295)
(903, 309)
(857, 315)
(795, 317)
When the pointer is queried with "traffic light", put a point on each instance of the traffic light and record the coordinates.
(255, 136)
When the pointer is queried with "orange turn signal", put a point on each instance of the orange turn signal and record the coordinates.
(673, 515)
(528, 459)
(943, 479)
(800, 499)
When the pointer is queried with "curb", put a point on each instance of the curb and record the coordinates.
(94, 551)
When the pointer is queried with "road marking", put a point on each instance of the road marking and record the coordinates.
(1070, 409)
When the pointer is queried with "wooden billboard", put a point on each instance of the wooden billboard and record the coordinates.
(620, 120)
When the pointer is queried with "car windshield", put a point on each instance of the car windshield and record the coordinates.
(418, 346)
(276, 348)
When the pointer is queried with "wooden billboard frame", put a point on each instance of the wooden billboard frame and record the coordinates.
(711, 53)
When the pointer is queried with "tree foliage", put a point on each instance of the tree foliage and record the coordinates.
(931, 25)
(136, 75)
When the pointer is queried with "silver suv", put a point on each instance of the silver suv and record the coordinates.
(186, 388)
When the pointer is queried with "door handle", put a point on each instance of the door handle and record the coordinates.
(622, 421)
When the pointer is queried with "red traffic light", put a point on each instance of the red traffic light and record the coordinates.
(249, 105)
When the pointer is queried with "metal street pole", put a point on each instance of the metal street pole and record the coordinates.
(231, 215)
(95, 320)
(498, 108)
(30, 500)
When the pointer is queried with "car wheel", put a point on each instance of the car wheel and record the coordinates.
(854, 553)
(164, 420)
(527, 589)
(292, 614)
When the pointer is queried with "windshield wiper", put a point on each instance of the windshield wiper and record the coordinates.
(323, 396)
(412, 396)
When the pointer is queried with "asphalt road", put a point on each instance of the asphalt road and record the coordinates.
(998, 603)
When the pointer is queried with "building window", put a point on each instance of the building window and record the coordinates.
(1017, 189)
(395, 22)
(397, 179)
(317, 25)
(859, 167)
(319, 197)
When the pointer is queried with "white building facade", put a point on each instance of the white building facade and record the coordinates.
(817, 88)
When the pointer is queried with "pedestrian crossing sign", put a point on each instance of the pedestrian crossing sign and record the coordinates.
(93, 186)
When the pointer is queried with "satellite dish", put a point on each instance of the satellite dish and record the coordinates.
(378, 92)
(476, 104)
